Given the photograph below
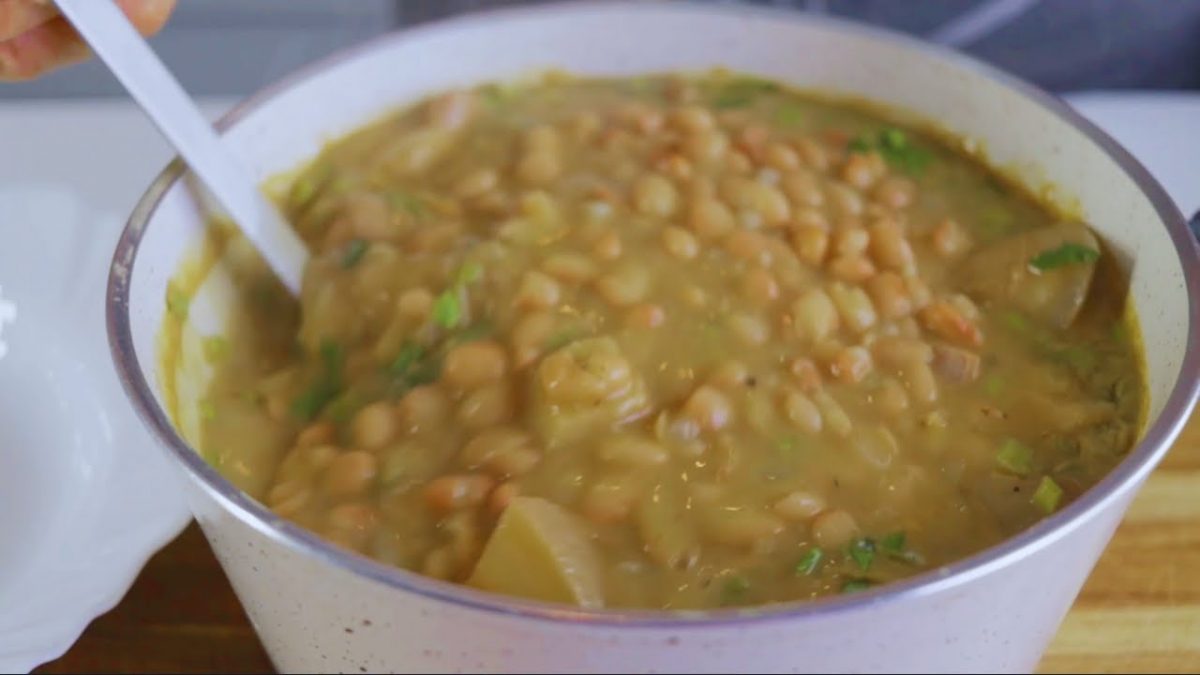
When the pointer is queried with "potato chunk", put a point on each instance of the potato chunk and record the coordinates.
(542, 552)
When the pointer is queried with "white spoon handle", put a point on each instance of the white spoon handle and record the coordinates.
(129, 57)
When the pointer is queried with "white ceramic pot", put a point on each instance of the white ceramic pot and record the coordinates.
(317, 608)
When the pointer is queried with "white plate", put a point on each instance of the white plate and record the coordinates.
(85, 497)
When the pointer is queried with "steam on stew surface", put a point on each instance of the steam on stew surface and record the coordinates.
(670, 342)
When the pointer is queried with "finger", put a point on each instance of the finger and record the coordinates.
(40, 49)
(148, 16)
(18, 16)
(55, 43)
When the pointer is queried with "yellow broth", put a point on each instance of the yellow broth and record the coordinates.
(692, 341)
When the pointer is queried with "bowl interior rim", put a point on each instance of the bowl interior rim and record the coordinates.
(1125, 476)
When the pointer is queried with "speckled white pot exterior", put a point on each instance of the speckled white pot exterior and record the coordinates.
(318, 609)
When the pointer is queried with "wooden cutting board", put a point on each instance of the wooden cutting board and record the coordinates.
(1139, 612)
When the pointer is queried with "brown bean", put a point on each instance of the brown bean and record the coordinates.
(607, 247)
(374, 426)
(474, 364)
(759, 287)
(645, 315)
(752, 330)
(890, 248)
(855, 269)
(834, 529)
(317, 433)
(890, 295)
(476, 183)
(693, 119)
(654, 195)
(901, 352)
(708, 408)
(811, 244)
(742, 527)
(289, 497)
(799, 505)
(680, 243)
(350, 474)
(571, 268)
(710, 218)
(625, 285)
(801, 411)
(747, 245)
(488, 405)
(415, 304)
(950, 239)
(458, 491)
(853, 306)
(895, 192)
(781, 157)
(501, 497)
(632, 451)
(423, 408)
(851, 364)
(750, 195)
(814, 315)
(530, 335)
(537, 291)
(807, 375)
(501, 450)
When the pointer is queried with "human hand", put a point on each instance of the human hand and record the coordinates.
(35, 39)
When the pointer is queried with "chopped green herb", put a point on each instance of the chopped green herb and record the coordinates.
(893, 543)
(326, 387)
(476, 331)
(341, 410)
(216, 347)
(895, 148)
(742, 92)
(734, 588)
(410, 353)
(177, 302)
(907, 158)
(425, 372)
(789, 115)
(993, 385)
(895, 546)
(810, 562)
(862, 552)
(331, 355)
(1081, 359)
(1067, 254)
(856, 585)
(859, 145)
(469, 274)
(1048, 495)
(207, 410)
(353, 253)
(447, 311)
(1015, 322)
(564, 337)
(303, 190)
(789, 443)
(410, 204)
(1119, 332)
(1015, 457)
(307, 405)
(893, 139)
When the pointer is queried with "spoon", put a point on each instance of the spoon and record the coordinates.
(106, 30)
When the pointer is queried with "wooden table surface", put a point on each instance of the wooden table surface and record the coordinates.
(1139, 612)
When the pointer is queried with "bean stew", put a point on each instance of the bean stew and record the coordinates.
(670, 342)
